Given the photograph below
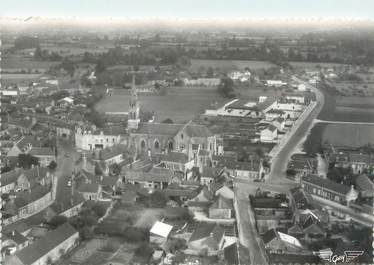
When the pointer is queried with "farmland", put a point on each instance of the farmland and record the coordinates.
(17, 64)
(227, 65)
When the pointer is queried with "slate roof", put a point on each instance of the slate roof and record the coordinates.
(326, 184)
(41, 247)
(211, 172)
(158, 129)
(108, 153)
(23, 123)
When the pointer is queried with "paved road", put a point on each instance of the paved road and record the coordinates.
(248, 235)
(279, 164)
(344, 122)
(65, 165)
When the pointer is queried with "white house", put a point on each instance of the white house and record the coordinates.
(269, 134)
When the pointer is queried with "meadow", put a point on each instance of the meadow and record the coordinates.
(314, 65)
(227, 65)
(349, 135)
(179, 104)
(19, 63)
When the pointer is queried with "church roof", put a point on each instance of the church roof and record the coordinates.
(159, 129)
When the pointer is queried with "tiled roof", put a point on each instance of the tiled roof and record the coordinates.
(9, 177)
(175, 157)
(23, 123)
(16, 236)
(26, 140)
(108, 153)
(364, 183)
(89, 187)
(153, 175)
(158, 129)
(326, 184)
(267, 203)
(42, 151)
(222, 203)
(41, 247)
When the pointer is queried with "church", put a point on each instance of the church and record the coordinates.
(151, 138)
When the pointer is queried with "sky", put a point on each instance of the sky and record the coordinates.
(226, 9)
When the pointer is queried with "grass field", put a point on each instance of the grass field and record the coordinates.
(18, 63)
(227, 65)
(314, 65)
(348, 135)
(179, 104)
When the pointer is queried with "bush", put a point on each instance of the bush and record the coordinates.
(99, 210)
(144, 251)
(132, 234)
(57, 220)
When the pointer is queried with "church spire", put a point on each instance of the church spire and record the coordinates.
(133, 114)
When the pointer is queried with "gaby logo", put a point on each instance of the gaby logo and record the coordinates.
(349, 255)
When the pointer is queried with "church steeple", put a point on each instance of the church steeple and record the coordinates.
(133, 115)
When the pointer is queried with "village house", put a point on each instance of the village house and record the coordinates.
(12, 242)
(24, 125)
(24, 145)
(328, 189)
(202, 201)
(365, 186)
(274, 114)
(159, 233)
(45, 155)
(94, 138)
(207, 239)
(357, 161)
(246, 170)
(271, 212)
(281, 243)
(279, 123)
(269, 134)
(222, 208)
(48, 248)
(211, 174)
(155, 178)
(177, 162)
(302, 165)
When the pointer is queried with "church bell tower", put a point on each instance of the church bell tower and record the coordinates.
(133, 115)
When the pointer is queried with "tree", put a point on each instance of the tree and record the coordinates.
(26, 161)
(116, 169)
(52, 165)
(226, 87)
(99, 210)
(146, 116)
(57, 220)
(144, 251)
(168, 121)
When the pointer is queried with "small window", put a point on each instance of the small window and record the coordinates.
(157, 145)
(182, 136)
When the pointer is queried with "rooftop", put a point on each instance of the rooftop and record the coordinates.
(326, 184)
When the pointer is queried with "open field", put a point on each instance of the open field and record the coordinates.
(179, 104)
(348, 135)
(314, 65)
(19, 63)
(227, 65)
(101, 250)
(362, 89)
